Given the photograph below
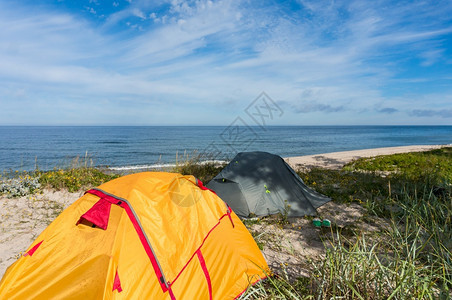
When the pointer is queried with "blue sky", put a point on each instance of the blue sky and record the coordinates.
(134, 62)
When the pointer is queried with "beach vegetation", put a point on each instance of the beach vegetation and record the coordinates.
(76, 176)
(411, 259)
(19, 184)
(202, 170)
(74, 179)
(433, 167)
(79, 174)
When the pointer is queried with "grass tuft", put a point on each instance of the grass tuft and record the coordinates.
(202, 170)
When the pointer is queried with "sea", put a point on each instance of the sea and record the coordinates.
(26, 148)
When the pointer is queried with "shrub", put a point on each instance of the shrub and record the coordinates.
(203, 171)
(74, 179)
(21, 186)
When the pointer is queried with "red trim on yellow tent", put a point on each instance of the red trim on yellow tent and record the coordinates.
(32, 250)
(170, 291)
(229, 215)
(207, 235)
(206, 272)
(202, 187)
(144, 241)
(98, 214)
(117, 283)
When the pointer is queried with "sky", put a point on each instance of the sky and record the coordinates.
(137, 62)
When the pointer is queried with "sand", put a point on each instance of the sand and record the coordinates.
(24, 218)
(336, 160)
(287, 249)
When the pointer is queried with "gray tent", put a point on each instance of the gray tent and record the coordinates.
(260, 184)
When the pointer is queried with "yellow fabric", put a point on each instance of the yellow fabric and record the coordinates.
(178, 217)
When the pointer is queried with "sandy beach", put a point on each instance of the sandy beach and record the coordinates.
(336, 160)
(24, 218)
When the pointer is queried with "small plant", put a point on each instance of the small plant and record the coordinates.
(257, 238)
(20, 186)
(251, 221)
(283, 217)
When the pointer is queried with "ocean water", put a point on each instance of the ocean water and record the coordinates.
(28, 147)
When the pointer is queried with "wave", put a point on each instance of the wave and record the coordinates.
(142, 167)
(161, 165)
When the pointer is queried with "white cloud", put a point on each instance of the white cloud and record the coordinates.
(335, 59)
(91, 10)
(430, 57)
(138, 13)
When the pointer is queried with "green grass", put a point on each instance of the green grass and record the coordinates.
(435, 165)
(411, 260)
(74, 179)
(76, 176)
(385, 269)
(80, 175)
(203, 171)
(346, 186)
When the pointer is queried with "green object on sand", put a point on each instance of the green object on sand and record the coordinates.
(326, 223)
(317, 222)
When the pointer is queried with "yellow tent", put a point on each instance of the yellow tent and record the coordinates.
(141, 236)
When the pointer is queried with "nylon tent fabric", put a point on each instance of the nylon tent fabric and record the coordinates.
(141, 236)
(261, 184)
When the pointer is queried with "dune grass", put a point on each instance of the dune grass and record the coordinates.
(411, 260)
(74, 179)
(434, 165)
(202, 170)
(80, 174)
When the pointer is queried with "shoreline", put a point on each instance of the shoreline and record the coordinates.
(330, 160)
(336, 160)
